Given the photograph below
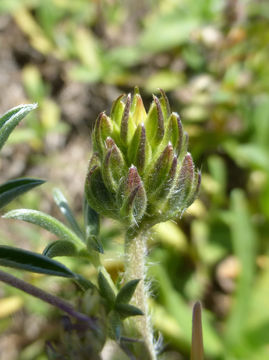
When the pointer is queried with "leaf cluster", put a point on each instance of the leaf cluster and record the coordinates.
(72, 240)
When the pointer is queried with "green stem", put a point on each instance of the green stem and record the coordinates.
(135, 268)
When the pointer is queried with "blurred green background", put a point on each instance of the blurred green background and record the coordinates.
(211, 57)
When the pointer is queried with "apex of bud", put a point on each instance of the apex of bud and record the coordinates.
(141, 172)
(133, 198)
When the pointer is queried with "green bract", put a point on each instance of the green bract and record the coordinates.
(140, 172)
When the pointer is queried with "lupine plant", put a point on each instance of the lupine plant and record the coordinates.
(140, 174)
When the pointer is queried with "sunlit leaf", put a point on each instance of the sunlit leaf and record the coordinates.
(13, 188)
(11, 119)
(46, 222)
(62, 203)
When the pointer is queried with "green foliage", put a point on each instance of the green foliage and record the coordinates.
(27, 260)
(126, 292)
(61, 202)
(105, 289)
(46, 222)
(11, 119)
(60, 248)
(72, 242)
(126, 310)
(119, 303)
(13, 188)
(212, 58)
(92, 227)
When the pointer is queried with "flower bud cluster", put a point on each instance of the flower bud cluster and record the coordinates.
(140, 172)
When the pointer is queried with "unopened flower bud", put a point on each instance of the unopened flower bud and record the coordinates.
(141, 172)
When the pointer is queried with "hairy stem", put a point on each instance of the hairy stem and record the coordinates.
(46, 297)
(135, 268)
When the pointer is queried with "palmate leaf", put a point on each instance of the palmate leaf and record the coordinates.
(11, 119)
(30, 261)
(13, 188)
(46, 222)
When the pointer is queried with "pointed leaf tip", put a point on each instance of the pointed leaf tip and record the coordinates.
(126, 292)
(11, 119)
(13, 188)
(126, 310)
